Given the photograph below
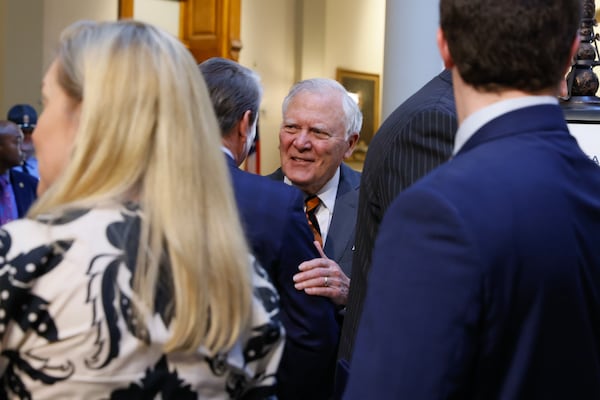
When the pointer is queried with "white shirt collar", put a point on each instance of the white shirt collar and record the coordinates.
(328, 192)
(228, 152)
(475, 121)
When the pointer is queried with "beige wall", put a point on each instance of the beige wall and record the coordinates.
(269, 40)
(58, 14)
(3, 60)
(30, 29)
(354, 35)
(311, 36)
(162, 13)
(21, 55)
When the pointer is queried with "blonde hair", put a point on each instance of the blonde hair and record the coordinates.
(147, 132)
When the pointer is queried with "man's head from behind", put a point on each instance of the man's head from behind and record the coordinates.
(236, 93)
(11, 138)
(25, 117)
(510, 44)
(321, 126)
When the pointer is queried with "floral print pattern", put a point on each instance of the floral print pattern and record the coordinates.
(70, 321)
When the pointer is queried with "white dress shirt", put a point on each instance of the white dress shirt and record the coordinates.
(327, 194)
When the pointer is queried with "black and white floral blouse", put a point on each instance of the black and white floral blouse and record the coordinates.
(68, 326)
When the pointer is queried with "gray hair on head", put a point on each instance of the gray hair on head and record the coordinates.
(353, 115)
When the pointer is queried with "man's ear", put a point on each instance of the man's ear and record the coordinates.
(444, 50)
(244, 126)
(352, 141)
(573, 52)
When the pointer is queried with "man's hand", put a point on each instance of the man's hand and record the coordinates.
(323, 277)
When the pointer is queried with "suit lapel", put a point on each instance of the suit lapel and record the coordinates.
(277, 175)
(341, 229)
(343, 220)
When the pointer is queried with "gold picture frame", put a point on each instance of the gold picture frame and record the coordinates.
(365, 88)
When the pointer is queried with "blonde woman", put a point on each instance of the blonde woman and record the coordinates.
(130, 277)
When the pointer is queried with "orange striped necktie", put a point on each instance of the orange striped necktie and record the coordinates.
(312, 203)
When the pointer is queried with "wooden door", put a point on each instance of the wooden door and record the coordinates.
(211, 28)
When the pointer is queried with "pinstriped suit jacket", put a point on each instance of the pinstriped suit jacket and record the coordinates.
(414, 139)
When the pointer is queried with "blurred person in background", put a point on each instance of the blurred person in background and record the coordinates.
(25, 117)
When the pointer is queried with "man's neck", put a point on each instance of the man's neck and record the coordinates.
(470, 100)
(227, 150)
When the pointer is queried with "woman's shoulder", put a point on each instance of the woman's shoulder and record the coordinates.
(60, 229)
(85, 215)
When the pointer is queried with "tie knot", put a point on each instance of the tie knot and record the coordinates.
(312, 202)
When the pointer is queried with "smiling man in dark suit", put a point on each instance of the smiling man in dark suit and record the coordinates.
(485, 281)
(277, 230)
(321, 126)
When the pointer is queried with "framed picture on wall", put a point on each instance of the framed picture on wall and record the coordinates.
(364, 88)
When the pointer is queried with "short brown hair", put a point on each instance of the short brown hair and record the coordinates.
(516, 44)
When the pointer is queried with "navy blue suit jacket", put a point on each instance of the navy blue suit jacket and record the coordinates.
(273, 218)
(339, 245)
(485, 281)
(25, 189)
